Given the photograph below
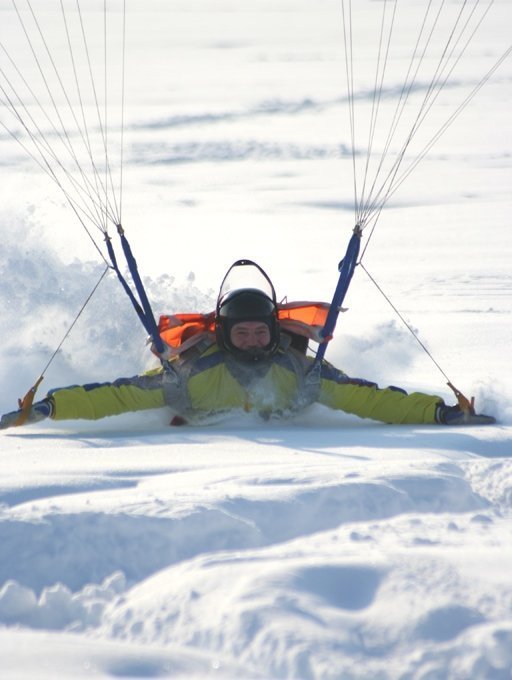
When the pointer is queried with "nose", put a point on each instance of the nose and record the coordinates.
(254, 340)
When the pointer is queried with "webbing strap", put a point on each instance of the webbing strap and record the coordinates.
(141, 306)
(346, 269)
(466, 405)
(25, 404)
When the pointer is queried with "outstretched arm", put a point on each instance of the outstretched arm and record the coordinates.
(391, 405)
(98, 400)
(94, 401)
(37, 412)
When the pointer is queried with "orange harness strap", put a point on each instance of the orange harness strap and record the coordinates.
(25, 404)
(466, 405)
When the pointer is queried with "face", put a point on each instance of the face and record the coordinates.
(250, 334)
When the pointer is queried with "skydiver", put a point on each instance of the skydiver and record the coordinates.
(249, 362)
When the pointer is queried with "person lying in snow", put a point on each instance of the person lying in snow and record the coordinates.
(247, 361)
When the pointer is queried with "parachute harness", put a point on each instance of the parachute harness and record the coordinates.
(346, 270)
(142, 306)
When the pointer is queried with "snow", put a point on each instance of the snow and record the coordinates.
(318, 547)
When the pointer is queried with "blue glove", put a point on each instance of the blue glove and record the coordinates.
(454, 415)
(38, 411)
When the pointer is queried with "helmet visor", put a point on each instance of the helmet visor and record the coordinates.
(246, 274)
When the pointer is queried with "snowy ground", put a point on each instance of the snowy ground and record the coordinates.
(321, 547)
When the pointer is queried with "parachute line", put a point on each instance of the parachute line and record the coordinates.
(377, 95)
(349, 72)
(67, 125)
(72, 325)
(431, 65)
(38, 138)
(405, 322)
(123, 72)
(434, 89)
(383, 172)
(62, 131)
(58, 133)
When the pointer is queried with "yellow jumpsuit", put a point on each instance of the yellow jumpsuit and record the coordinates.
(215, 382)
